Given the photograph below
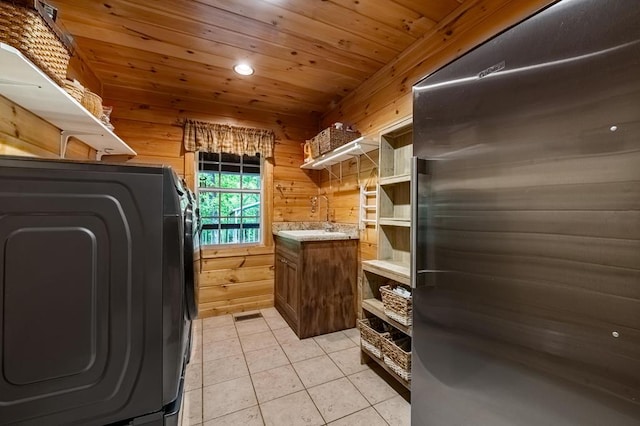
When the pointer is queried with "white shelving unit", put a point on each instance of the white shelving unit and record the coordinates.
(26, 85)
(393, 213)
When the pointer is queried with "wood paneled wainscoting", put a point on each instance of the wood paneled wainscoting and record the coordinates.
(235, 280)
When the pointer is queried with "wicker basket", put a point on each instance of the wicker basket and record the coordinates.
(315, 148)
(92, 102)
(397, 356)
(331, 138)
(75, 89)
(397, 307)
(372, 333)
(26, 30)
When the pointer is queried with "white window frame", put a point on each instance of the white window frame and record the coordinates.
(260, 241)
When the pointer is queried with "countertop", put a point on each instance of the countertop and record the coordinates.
(315, 231)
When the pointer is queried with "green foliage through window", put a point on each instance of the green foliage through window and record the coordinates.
(230, 198)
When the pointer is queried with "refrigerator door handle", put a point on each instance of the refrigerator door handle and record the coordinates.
(419, 197)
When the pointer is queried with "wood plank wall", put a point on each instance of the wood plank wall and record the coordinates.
(386, 98)
(23, 133)
(236, 279)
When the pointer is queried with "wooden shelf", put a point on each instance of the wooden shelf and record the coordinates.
(386, 368)
(392, 180)
(375, 307)
(26, 85)
(389, 269)
(356, 147)
(394, 221)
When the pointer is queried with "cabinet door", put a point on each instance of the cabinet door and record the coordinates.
(286, 283)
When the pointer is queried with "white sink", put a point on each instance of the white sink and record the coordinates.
(313, 234)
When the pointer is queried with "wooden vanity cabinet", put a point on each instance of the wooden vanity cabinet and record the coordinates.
(315, 284)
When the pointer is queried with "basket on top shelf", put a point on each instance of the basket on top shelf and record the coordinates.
(330, 139)
(75, 89)
(27, 27)
(396, 354)
(92, 102)
(396, 306)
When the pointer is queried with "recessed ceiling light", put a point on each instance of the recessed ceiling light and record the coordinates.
(243, 69)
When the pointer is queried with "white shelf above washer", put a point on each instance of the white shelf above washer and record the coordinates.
(26, 85)
(356, 147)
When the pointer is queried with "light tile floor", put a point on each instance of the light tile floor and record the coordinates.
(257, 372)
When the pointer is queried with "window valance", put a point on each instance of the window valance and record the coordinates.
(212, 137)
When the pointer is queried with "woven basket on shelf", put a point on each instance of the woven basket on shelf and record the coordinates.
(397, 356)
(92, 102)
(74, 89)
(26, 30)
(396, 307)
(315, 148)
(331, 138)
(372, 332)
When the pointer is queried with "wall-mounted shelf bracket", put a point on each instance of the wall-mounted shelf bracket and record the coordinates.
(337, 176)
(64, 141)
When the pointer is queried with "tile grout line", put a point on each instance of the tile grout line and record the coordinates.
(253, 386)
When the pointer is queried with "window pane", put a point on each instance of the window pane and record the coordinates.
(251, 169)
(229, 203)
(229, 181)
(231, 168)
(209, 206)
(251, 159)
(207, 222)
(230, 236)
(251, 181)
(208, 179)
(206, 166)
(251, 235)
(250, 201)
(209, 236)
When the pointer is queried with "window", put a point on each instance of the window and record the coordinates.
(229, 191)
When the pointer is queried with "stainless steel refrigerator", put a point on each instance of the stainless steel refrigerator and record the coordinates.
(526, 227)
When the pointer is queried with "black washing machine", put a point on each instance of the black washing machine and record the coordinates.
(97, 292)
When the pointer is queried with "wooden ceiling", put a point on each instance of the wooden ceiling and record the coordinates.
(308, 54)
